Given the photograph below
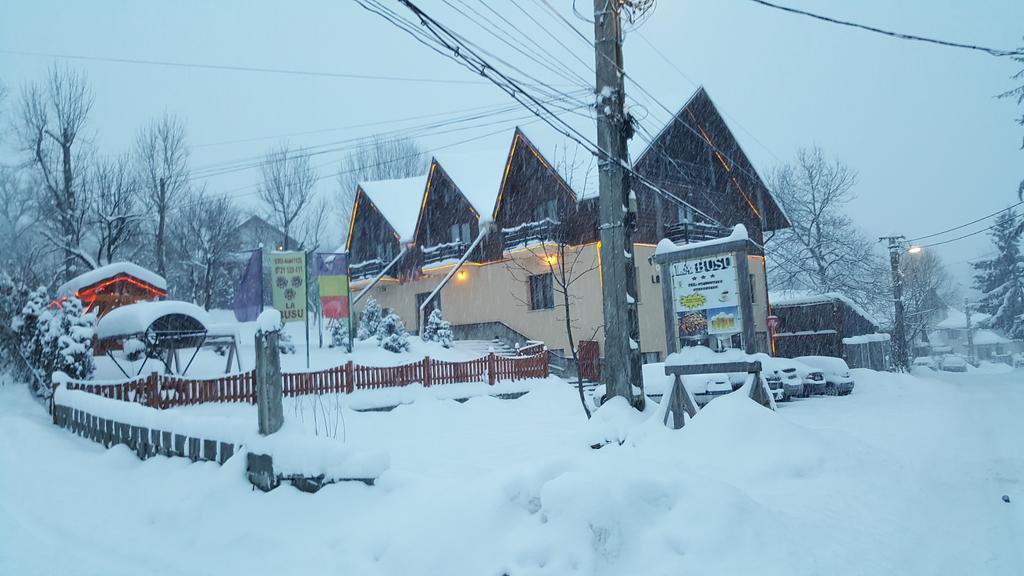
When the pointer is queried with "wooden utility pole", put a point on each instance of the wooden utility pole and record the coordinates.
(899, 336)
(970, 331)
(617, 217)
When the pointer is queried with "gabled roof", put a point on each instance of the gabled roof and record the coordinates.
(784, 298)
(93, 277)
(699, 118)
(522, 142)
(399, 201)
(957, 320)
(478, 174)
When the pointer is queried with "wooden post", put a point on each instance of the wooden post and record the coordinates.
(350, 378)
(490, 368)
(268, 382)
(426, 371)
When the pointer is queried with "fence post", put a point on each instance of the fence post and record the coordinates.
(426, 371)
(491, 369)
(268, 382)
(153, 390)
(547, 363)
(350, 378)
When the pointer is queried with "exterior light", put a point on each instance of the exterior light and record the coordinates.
(461, 275)
(914, 250)
(552, 260)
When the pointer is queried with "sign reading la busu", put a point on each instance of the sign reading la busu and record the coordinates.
(288, 281)
(705, 296)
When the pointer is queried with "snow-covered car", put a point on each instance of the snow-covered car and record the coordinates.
(926, 362)
(838, 381)
(953, 363)
(788, 373)
(1018, 360)
(706, 387)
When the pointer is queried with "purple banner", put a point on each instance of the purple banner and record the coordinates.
(249, 297)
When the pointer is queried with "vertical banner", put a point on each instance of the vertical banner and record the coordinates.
(249, 297)
(705, 294)
(288, 278)
(332, 272)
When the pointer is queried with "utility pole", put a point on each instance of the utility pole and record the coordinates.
(899, 330)
(970, 333)
(622, 366)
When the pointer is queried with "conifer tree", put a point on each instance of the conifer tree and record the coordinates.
(1000, 279)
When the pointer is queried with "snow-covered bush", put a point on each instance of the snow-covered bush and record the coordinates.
(339, 335)
(26, 326)
(285, 344)
(392, 335)
(72, 351)
(135, 349)
(438, 329)
(369, 320)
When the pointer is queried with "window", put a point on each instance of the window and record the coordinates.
(547, 209)
(384, 252)
(459, 232)
(685, 214)
(542, 294)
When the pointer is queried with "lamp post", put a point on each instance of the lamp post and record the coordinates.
(899, 328)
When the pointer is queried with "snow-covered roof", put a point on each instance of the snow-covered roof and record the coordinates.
(399, 201)
(865, 338)
(957, 320)
(477, 174)
(666, 246)
(136, 318)
(71, 287)
(807, 298)
(985, 337)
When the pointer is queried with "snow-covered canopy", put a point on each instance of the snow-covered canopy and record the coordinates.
(71, 287)
(666, 246)
(957, 320)
(399, 201)
(136, 318)
(866, 338)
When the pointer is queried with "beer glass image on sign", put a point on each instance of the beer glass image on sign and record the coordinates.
(723, 320)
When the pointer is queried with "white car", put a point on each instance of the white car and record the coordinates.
(953, 363)
(926, 362)
(706, 387)
(838, 381)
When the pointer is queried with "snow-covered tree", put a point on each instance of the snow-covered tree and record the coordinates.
(13, 296)
(823, 250)
(339, 334)
(392, 335)
(67, 339)
(438, 329)
(1001, 278)
(205, 235)
(369, 320)
(1017, 93)
(161, 160)
(286, 188)
(26, 326)
(285, 344)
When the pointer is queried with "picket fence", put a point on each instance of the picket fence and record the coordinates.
(167, 390)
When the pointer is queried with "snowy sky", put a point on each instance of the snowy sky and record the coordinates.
(920, 123)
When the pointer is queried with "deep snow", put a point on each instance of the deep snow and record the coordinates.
(904, 476)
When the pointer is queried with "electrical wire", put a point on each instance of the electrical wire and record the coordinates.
(899, 35)
(955, 228)
(975, 233)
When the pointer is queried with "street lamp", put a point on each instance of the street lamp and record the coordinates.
(914, 250)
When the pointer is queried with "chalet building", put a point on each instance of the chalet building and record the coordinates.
(818, 324)
(112, 286)
(531, 220)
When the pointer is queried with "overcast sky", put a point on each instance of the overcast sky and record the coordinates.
(919, 123)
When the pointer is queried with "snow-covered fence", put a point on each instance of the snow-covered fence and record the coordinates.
(167, 391)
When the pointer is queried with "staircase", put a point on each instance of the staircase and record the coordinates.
(483, 347)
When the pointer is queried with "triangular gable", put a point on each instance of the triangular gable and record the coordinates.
(522, 145)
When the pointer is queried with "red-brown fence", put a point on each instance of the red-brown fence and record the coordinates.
(167, 391)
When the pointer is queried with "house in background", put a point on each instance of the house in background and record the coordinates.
(813, 324)
(114, 285)
(950, 337)
(541, 217)
(253, 233)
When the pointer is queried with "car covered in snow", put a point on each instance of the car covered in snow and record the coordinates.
(784, 374)
(706, 387)
(953, 363)
(838, 381)
(926, 362)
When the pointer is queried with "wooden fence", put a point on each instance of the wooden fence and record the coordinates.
(167, 391)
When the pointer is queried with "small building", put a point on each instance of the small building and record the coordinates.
(114, 285)
(816, 324)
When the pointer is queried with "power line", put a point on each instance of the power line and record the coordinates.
(899, 35)
(234, 68)
(975, 233)
(986, 217)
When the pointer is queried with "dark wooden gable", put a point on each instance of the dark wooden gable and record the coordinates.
(697, 158)
(371, 236)
(529, 182)
(443, 206)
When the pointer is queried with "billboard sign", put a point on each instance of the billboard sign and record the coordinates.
(705, 297)
(288, 278)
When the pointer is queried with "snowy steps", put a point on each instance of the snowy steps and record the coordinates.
(484, 347)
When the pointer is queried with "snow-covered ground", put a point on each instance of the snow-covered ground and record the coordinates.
(904, 476)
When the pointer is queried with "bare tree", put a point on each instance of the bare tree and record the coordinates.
(209, 225)
(52, 117)
(27, 255)
(927, 290)
(286, 188)
(823, 250)
(115, 214)
(377, 158)
(161, 159)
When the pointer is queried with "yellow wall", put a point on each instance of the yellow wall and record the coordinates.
(499, 291)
